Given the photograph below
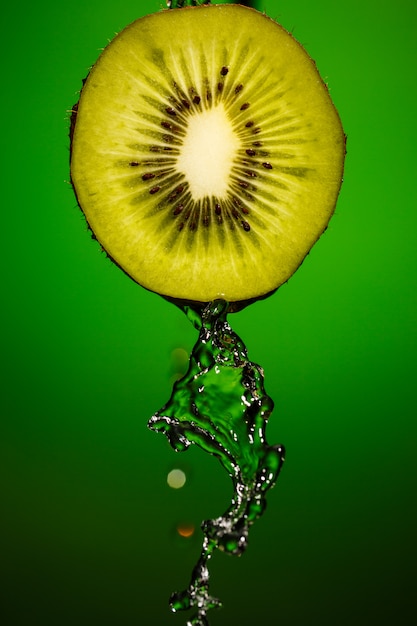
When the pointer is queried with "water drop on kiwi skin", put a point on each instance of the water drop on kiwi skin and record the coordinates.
(134, 163)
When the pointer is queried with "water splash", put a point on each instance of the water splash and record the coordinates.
(221, 405)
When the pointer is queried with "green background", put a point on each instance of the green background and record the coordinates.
(87, 521)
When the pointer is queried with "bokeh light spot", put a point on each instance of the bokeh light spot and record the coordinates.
(185, 530)
(176, 479)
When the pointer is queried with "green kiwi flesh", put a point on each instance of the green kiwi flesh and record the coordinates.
(206, 153)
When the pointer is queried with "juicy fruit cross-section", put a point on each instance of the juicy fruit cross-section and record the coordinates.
(206, 153)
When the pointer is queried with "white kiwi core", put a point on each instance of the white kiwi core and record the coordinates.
(208, 153)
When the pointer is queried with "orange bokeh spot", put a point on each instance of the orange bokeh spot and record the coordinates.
(185, 530)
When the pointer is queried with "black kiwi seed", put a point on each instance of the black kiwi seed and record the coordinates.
(206, 216)
(177, 192)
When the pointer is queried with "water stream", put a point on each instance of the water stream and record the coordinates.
(220, 404)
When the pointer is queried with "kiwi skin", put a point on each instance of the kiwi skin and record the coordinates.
(233, 307)
(197, 305)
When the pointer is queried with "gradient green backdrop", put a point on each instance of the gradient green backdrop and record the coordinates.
(87, 522)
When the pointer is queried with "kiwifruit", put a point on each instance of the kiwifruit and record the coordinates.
(206, 153)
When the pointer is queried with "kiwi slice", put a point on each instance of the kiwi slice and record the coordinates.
(206, 153)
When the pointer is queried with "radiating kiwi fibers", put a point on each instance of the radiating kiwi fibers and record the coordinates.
(207, 155)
